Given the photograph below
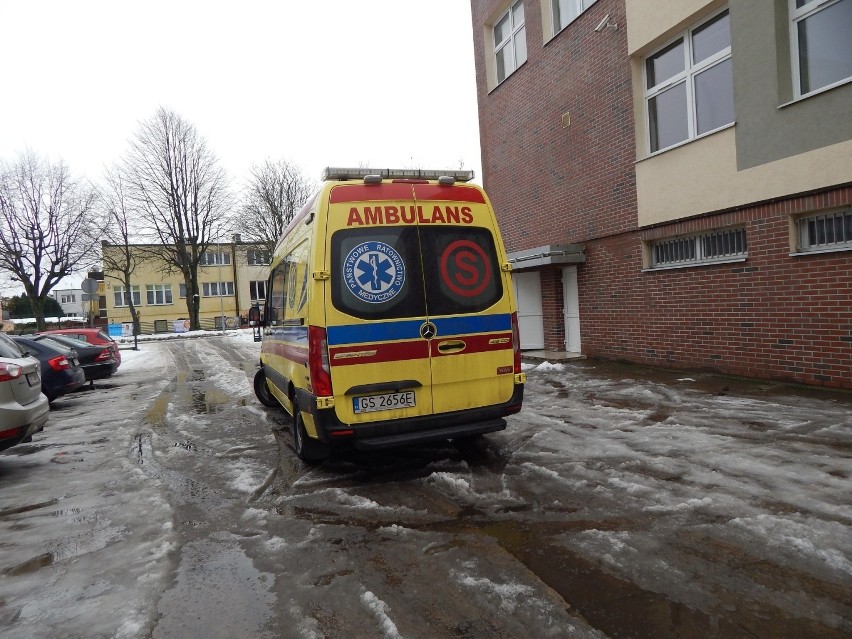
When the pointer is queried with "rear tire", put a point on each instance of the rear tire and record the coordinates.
(261, 390)
(309, 450)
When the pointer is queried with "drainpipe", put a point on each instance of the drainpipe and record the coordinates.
(235, 239)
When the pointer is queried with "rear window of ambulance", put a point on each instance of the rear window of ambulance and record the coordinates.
(376, 273)
(462, 271)
(414, 271)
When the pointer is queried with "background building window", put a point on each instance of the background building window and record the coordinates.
(716, 246)
(121, 296)
(217, 289)
(255, 257)
(158, 294)
(821, 37)
(257, 290)
(510, 41)
(825, 232)
(215, 258)
(689, 88)
(566, 11)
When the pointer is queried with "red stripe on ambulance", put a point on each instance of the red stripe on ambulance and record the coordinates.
(378, 353)
(473, 344)
(370, 192)
(437, 192)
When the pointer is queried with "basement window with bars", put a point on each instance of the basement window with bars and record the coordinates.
(825, 232)
(728, 245)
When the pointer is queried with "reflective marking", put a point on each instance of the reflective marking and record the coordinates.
(374, 272)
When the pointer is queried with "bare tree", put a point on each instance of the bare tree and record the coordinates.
(177, 181)
(49, 226)
(274, 194)
(120, 260)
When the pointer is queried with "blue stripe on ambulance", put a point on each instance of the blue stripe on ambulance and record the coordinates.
(410, 329)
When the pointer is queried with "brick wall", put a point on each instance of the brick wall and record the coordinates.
(772, 316)
(581, 184)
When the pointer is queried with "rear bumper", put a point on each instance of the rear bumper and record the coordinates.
(413, 430)
(100, 370)
(63, 382)
(30, 418)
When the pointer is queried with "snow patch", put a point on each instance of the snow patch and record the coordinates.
(380, 609)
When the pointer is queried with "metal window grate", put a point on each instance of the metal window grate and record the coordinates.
(698, 249)
(831, 230)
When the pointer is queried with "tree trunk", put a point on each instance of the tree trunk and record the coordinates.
(37, 304)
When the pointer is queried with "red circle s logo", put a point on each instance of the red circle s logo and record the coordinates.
(465, 268)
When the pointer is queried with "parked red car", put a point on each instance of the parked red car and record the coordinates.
(94, 336)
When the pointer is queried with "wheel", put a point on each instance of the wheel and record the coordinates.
(262, 390)
(309, 450)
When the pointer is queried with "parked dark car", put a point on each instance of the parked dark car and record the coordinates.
(23, 407)
(97, 361)
(94, 336)
(61, 371)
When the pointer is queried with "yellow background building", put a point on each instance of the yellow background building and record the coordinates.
(231, 278)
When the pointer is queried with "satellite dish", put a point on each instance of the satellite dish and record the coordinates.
(89, 285)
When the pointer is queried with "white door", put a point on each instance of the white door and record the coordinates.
(530, 315)
(571, 295)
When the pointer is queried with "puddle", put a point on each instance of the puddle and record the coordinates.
(30, 566)
(156, 414)
(5, 512)
(214, 401)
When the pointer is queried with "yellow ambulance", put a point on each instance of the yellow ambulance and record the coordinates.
(390, 318)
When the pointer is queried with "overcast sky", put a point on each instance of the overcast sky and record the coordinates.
(378, 82)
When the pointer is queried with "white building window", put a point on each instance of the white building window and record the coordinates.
(689, 88)
(217, 289)
(821, 43)
(566, 11)
(122, 297)
(68, 299)
(158, 294)
(257, 290)
(510, 41)
(825, 232)
(215, 258)
(706, 248)
(256, 257)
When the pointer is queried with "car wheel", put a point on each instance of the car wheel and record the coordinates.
(309, 450)
(262, 390)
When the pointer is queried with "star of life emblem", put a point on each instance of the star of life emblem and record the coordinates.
(374, 272)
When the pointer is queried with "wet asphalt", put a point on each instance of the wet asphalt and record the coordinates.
(621, 502)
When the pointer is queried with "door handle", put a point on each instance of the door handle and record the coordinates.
(451, 346)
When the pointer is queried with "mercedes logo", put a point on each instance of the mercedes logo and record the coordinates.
(428, 330)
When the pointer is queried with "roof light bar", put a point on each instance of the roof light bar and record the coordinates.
(342, 173)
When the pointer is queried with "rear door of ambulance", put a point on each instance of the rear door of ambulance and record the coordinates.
(420, 319)
(468, 298)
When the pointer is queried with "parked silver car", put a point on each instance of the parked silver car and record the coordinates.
(23, 407)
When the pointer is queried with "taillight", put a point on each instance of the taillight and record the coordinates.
(12, 432)
(104, 354)
(516, 342)
(318, 361)
(9, 371)
(59, 363)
